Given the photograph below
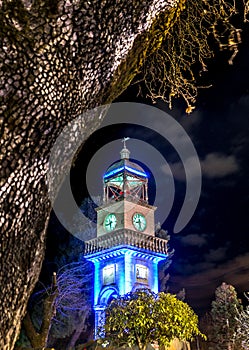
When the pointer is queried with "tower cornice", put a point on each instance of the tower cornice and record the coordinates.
(128, 238)
(122, 250)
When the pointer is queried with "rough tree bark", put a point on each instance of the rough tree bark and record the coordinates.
(57, 58)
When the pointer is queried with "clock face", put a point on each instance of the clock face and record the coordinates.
(139, 221)
(110, 222)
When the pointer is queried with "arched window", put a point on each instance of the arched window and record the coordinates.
(107, 295)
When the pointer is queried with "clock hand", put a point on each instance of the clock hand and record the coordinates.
(139, 223)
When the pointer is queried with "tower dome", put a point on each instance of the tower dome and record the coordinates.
(125, 179)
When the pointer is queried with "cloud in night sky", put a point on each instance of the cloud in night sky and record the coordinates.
(216, 255)
(178, 169)
(206, 260)
(194, 240)
(218, 165)
(200, 286)
(194, 268)
(214, 165)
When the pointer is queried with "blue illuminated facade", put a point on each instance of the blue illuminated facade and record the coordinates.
(125, 255)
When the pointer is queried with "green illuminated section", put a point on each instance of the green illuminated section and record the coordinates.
(133, 182)
(118, 181)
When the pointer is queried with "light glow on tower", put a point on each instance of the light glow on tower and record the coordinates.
(125, 167)
(126, 255)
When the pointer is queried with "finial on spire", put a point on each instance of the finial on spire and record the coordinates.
(124, 141)
(125, 153)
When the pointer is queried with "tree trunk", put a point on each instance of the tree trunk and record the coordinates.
(77, 332)
(58, 59)
(38, 340)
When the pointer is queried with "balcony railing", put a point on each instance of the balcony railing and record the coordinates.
(126, 237)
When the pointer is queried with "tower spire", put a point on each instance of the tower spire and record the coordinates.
(125, 153)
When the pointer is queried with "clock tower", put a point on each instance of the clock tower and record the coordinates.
(126, 251)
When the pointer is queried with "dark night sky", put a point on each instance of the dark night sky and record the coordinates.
(214, 246)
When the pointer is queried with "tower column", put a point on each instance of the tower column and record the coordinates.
(146, 192)
(129, 272)
(97, 282)
(155, 282)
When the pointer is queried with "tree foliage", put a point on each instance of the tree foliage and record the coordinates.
(198, 28)
(224, 312)
(243, 326)
(142, 317)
